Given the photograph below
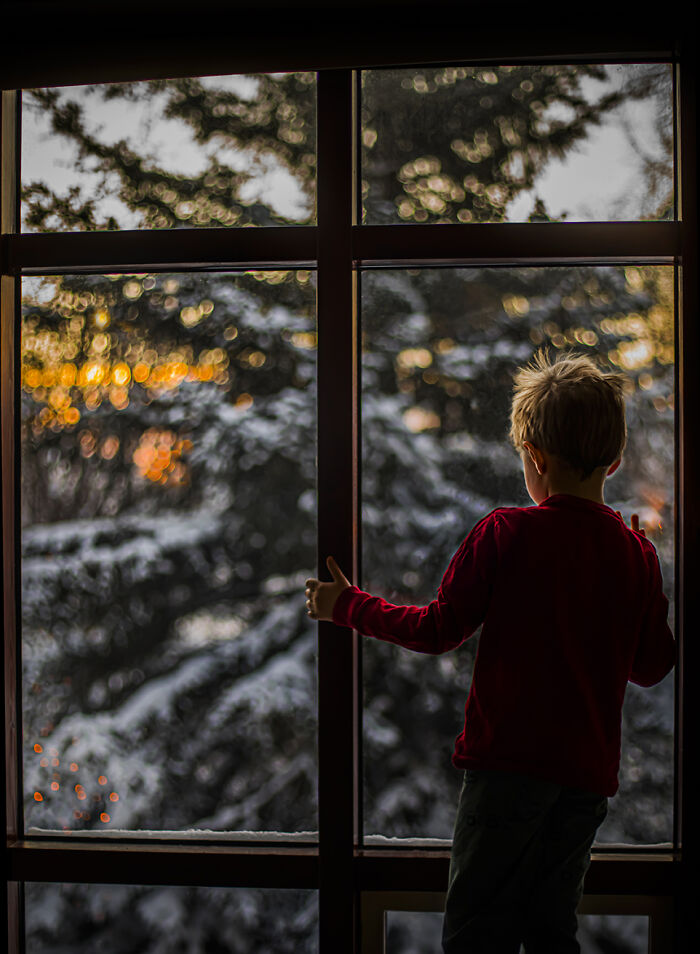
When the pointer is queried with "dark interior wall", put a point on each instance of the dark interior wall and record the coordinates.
(59, 42)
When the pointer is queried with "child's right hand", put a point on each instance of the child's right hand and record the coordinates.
(321, 597)
(634, 523)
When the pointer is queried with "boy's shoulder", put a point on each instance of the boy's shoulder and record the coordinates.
(535, 515)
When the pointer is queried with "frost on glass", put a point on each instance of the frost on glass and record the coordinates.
(517, 143)
(195, 152)
(440, 347)
(413, 932)
(168, 523)
(123, 919)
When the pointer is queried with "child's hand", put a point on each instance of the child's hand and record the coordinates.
(634, 523)
(321, 597)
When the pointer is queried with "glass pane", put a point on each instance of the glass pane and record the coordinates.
(517, 143)
(439, 350)
(209, 151)
(168, 523)
(122, 919)
(412, 932)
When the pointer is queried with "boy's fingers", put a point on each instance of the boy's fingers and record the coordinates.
(634, 521)
(336, 572)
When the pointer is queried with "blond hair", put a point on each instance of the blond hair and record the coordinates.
(570, 409)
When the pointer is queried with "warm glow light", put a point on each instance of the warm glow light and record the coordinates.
(104, 817)
(304, 339)
(102, 779)
(244, 401)
(515, 306)
(418, 419)
(414, 358)
(113, 797)
(38, 748)
(38, 797)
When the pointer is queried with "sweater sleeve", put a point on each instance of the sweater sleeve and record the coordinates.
(449, 619)
(656, 649)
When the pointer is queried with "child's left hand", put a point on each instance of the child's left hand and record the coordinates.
(634, 523)
(321, 597)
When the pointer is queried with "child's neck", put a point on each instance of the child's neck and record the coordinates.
(563, 481)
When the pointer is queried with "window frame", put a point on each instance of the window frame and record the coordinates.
(340, 868)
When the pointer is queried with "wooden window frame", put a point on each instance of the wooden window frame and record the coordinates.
(339, 867)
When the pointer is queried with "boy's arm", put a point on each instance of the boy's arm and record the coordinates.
(457, 611)
(656, 650)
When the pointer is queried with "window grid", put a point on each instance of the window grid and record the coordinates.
(341, 867)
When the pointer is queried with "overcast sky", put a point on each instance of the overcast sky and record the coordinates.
(599, 179)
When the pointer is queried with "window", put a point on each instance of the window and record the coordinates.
(189, 331)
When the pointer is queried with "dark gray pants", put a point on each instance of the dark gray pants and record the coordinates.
(520, 851)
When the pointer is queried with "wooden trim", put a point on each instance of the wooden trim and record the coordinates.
(10, 904)
(146, 250)
(514, 243)
(688, 505)
(424, 870)
(122, 863)
(337, 484)
(296, 246)
(343, 36)
(8, 362)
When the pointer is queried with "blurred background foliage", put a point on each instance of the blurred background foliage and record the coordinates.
(168, 453)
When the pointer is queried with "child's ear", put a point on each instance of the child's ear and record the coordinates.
(613, 467)
(536, 456)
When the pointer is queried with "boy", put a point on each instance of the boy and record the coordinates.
(571, 606)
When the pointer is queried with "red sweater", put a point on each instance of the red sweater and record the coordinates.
(572, 608)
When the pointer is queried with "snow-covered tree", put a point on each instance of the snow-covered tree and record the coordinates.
(168, 462)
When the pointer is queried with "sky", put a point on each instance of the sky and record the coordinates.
(600, 179)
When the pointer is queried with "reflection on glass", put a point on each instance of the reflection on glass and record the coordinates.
(122, 919)
(439, 350)
(413, 932)
(168, 521)
(194, 152)
(517, 143)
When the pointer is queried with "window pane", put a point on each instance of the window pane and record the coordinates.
(517, 143)
(208, 151)
(411, 932)
(439, 350)
(168, 523)
(122, 919)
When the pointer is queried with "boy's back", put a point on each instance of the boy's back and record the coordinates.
(576, 609)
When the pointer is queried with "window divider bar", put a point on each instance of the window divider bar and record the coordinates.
(337, 483)
(145, 250)
(10, 803)
(214, 865)
(516, 242)
(688, 830)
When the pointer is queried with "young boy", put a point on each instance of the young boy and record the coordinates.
(571, 606)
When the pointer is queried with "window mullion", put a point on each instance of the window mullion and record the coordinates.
(688, 504)
(337, 464)
(9, 206)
